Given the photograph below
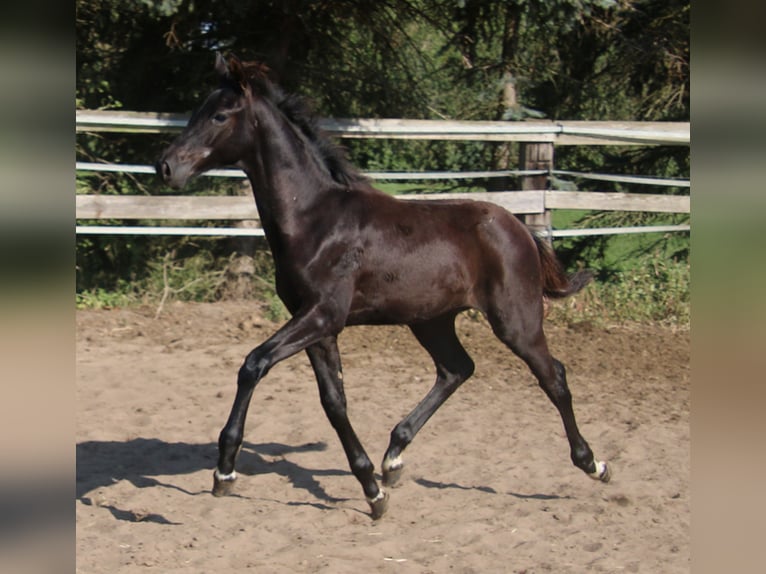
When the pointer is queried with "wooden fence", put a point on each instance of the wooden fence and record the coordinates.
(534, 201)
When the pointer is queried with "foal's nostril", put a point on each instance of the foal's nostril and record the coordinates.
(162, 169)
(165, 167)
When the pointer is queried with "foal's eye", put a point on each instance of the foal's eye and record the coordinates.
(219, 118)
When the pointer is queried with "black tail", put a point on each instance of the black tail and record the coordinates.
(556, 283)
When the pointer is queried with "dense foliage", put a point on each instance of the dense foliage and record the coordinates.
(461, 59)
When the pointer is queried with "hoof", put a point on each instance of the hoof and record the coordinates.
(606, 474)
(602, 472)
(391, 476)
(378, 505)
(223, 486)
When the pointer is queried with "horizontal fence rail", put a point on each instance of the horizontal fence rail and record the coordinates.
(258, 232)
(526, 202)
(557, 132)
(192, 207)
(380, 175)
(413, 175)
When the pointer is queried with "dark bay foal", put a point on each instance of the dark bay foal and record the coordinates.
(348, 254)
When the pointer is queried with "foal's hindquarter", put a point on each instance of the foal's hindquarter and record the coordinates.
(420, 264)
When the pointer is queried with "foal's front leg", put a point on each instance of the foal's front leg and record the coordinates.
(302, 330)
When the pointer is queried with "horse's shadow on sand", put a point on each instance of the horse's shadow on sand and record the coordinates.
(140, 461)
(487, 489)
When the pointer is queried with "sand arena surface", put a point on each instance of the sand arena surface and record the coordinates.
(487, 487)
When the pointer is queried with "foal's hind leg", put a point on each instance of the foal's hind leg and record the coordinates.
(523, 334)
(325, 360)
(453, 367)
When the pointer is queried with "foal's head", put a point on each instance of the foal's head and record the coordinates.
(220, 130)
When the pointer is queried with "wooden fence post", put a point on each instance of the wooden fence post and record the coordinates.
(537, 156)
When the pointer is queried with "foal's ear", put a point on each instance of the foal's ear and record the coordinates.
(221, 66)
(231, 70)
(237, 72)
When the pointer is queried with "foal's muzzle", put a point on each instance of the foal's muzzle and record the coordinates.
(172, 172)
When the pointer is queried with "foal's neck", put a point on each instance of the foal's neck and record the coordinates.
(287, 179)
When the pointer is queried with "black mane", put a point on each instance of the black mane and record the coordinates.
(298, 111)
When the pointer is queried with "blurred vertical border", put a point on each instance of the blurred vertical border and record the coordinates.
(729, 286)
(37, 329)
(37, 374)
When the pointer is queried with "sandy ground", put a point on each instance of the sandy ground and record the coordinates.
(488, 485)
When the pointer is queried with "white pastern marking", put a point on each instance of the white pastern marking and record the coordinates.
(381, 495)
(393, 463)
(225, 477)
(600, 469)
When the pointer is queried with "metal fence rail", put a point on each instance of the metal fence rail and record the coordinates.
(258, 232)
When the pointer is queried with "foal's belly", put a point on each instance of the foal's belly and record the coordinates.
(405, 294)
